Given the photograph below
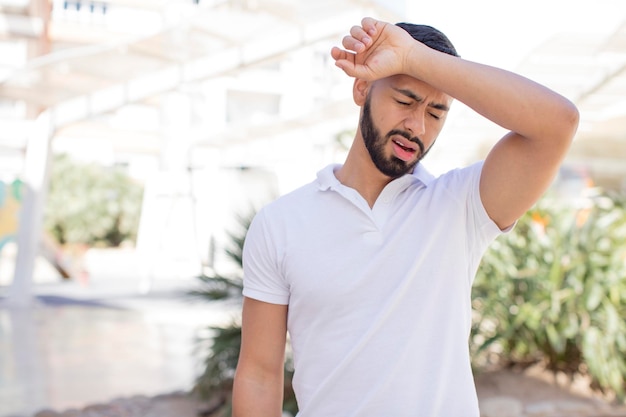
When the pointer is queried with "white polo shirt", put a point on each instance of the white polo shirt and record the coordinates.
(379, 298)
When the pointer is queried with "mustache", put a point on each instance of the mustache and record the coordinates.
(407, 136)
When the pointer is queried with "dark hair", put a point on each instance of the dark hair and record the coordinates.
(430, 37)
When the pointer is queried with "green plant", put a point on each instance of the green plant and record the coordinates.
(91, 204)
(554, 290)
(221, 344)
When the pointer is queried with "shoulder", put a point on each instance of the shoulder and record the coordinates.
(304, 198)
(295, 198)
(287, 208)
(459, 179)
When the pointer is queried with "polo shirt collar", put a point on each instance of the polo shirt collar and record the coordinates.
(423, 175)
(326, 177)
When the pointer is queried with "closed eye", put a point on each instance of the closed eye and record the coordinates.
(435, 116)
(404, 103)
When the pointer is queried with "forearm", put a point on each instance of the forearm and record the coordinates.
(257, 397)
(509, 100)
(259, 379)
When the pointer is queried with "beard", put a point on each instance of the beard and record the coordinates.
(391, 166)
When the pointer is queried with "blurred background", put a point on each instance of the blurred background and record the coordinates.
(135, 135)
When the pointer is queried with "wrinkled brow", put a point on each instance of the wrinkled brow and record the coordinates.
(413, 96)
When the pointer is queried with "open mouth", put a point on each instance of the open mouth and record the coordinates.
(402, 151)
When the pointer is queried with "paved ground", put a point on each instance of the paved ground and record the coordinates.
(100, 339)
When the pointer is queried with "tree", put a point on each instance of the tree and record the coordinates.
(91, 204)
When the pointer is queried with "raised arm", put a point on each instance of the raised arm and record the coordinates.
(259, 380)
(542, 123)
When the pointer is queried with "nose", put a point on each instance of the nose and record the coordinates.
(415, 123)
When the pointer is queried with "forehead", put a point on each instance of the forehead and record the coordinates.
(404, 83)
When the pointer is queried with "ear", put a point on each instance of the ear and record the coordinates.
(360, 90)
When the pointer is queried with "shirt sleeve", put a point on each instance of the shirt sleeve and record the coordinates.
(480, 227)
(479, 218)
(262, 277)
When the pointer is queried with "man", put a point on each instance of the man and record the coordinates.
(369, 268)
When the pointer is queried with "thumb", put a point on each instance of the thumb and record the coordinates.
(347, 66)
(344, 60)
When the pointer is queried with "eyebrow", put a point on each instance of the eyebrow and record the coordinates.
(412, 95)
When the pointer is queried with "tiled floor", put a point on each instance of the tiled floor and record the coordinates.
(82, 344)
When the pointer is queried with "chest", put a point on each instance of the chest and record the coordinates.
(344, 256)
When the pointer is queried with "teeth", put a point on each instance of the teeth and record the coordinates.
(402, 146)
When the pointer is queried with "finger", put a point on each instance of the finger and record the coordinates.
(369, 25)
(337, 53)
(353, 44)
(358, 33)
(340, 55)
(343, 60)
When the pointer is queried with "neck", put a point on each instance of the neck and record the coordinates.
(360, 173)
